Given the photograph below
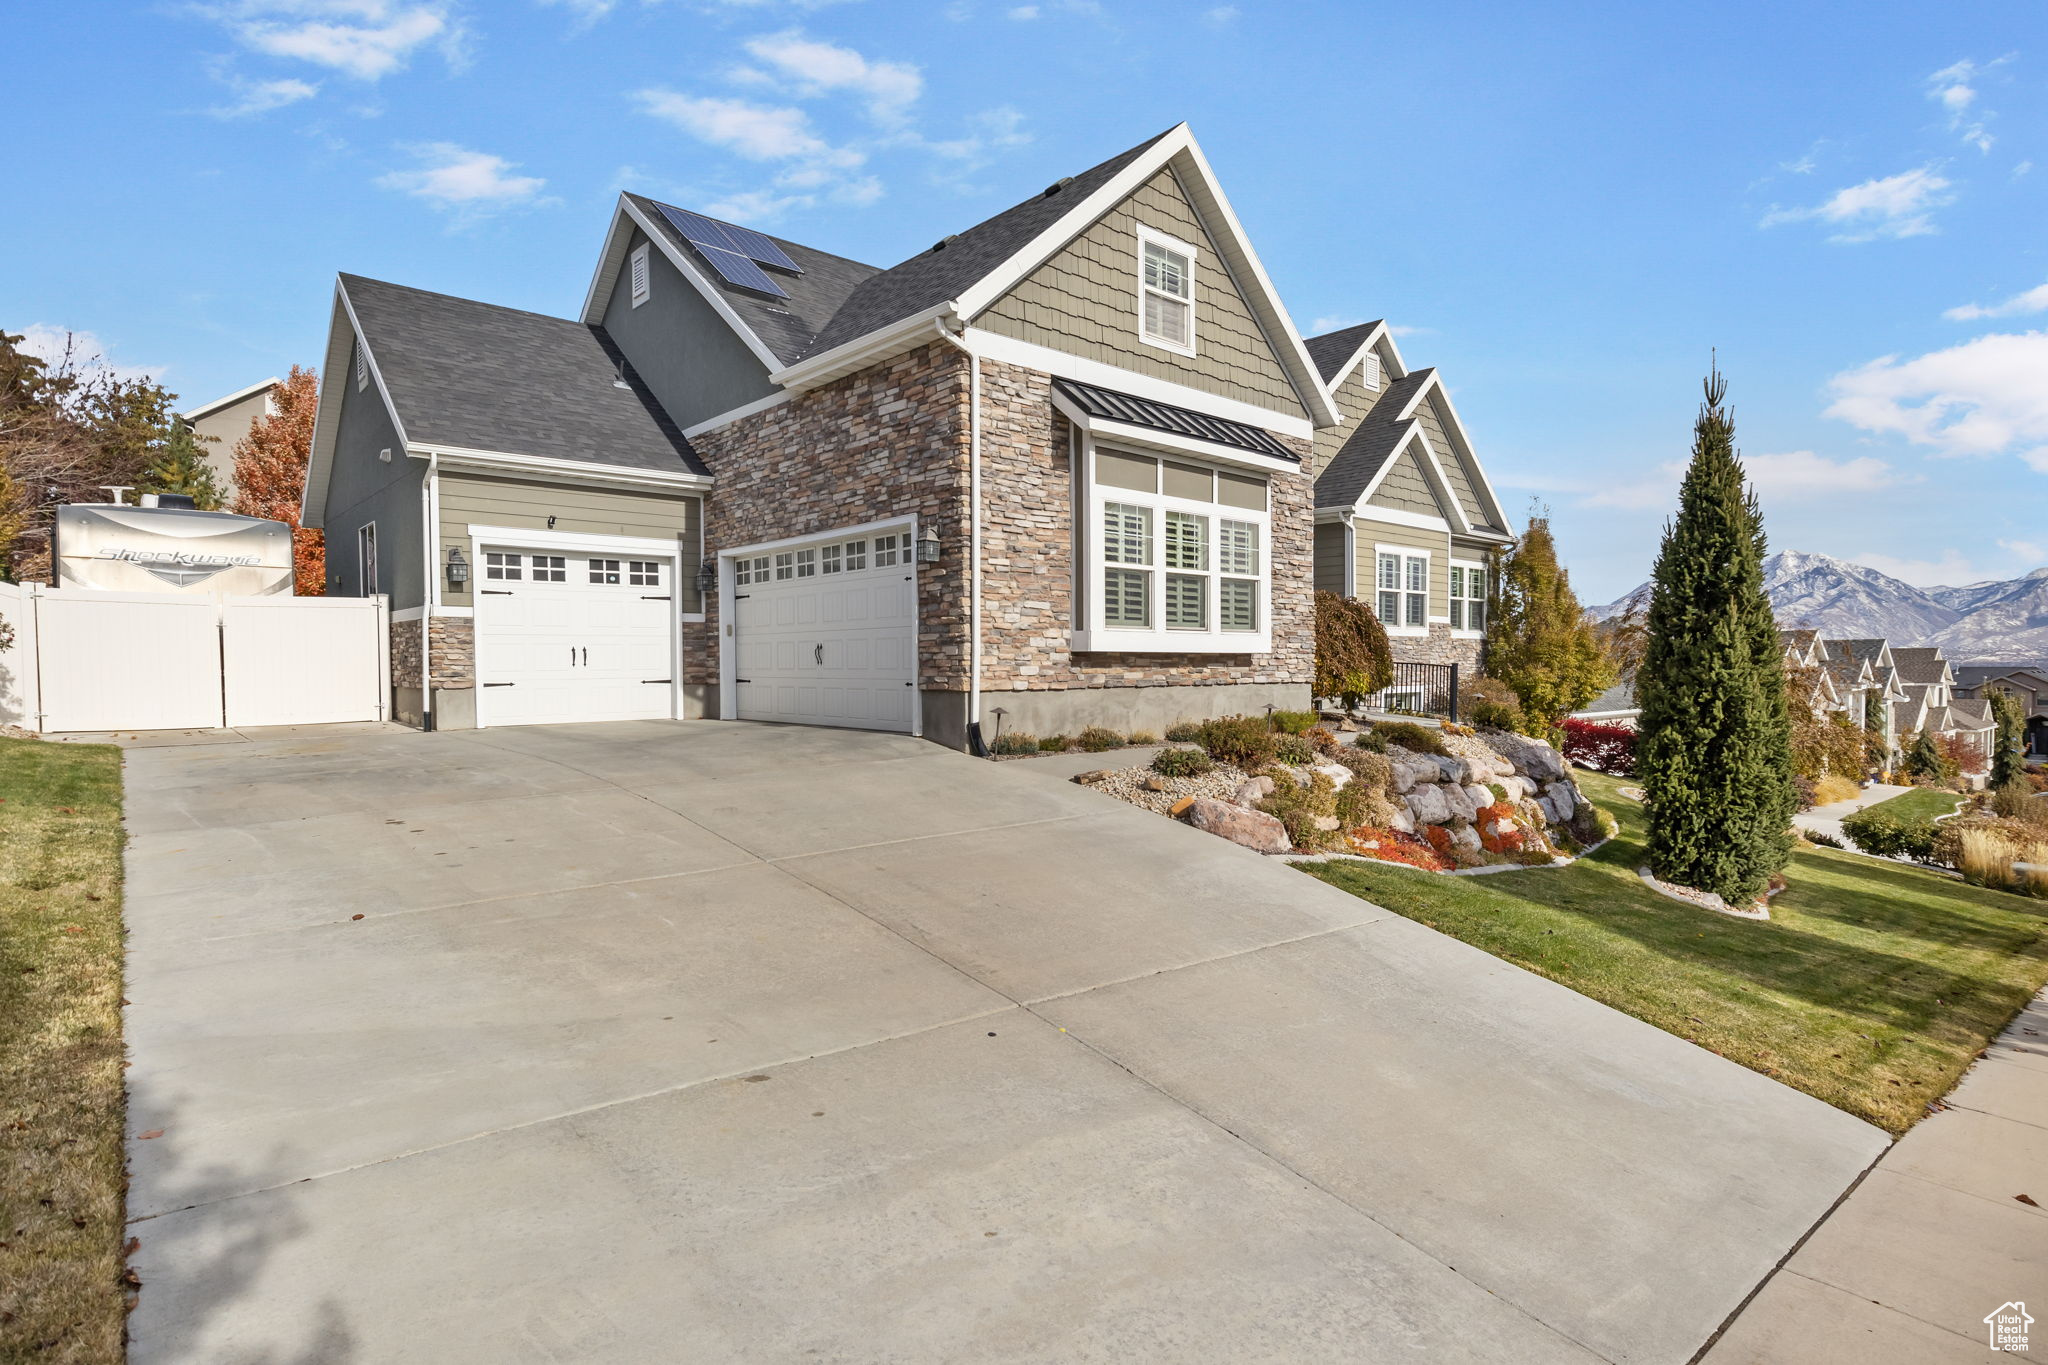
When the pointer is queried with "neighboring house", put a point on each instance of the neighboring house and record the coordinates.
(1615, 706)
(221, 424)
(1062, 462)
(2026, 682)
(1862, 670)
(1405, 518)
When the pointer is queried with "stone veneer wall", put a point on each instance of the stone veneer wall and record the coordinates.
(1438, 647)
(452, 640)
(405, 654)
(1027, 549)
(886, 441)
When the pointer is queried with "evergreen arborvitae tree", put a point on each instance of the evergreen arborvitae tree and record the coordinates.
(2008, 743)
(1924, 761)
(1538, 640)
(181, 467)
(1714, 753)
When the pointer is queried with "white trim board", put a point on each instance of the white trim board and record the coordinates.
(1030, 355)
(514, 536)
(546, 466)
(208, 409)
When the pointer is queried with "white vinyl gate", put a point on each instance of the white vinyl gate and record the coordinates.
(89, 660)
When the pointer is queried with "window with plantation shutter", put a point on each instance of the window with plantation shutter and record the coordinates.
(1166, 291)
(1171, 563)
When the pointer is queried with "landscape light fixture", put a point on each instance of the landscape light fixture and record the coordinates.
(458, 568)
(928, 546)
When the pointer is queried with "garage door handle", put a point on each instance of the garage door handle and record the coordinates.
(820, 653)
(646, 597)
(663, 681)
(501, 684)
(496, 592)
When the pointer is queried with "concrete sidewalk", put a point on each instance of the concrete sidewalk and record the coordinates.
(1828, 819)
(717, 1042)
(1932, 1240)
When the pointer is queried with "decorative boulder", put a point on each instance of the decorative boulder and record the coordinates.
(1402, 821)
(1427, 805)
(1465, 837)
(1254, 789)
(1531, 757)
(1479, 796)
(1410, 773)
(1563, 798)
(1457, 803)
(1453, 768)
(1254, 829)
(1338, 774)
(1515, 787)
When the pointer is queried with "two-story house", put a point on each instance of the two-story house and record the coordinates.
(1062, 462)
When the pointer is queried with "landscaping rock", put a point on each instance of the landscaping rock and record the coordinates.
(1479, 796)
(1457, 803)
(1427, 805)
(1465, 837)
(1402, 821)
(1155, 783)
(1531, 757)
(1515, 787)
(1328, 823)
(1410, 772)
(1454, 769)
(1253, 829)
(1094, 775)
(1564, 798)
(1338, 774)
(1254, 789)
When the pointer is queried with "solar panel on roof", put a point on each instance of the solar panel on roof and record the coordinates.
(700, 231)
(737, 269)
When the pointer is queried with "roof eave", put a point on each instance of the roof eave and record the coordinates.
(862, 351)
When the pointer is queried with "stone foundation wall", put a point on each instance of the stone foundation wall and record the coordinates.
(452, 642)
(405, 654)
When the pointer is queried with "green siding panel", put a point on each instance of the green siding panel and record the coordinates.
(468, 499)
(1406, 488)
(1330, 559)
(1438, 543)
(1084, 301)
(1433, 426)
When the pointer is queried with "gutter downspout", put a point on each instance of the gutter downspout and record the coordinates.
(430, 534)
(946, 326)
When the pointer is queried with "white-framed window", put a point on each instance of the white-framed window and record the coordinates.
(828, 559)
(643, 573)
(1173, 556)
(501, 567)
(1401, 598)
(639, 276)
(1468, 597)
(604, 570)
(754, 570)
(1166, 291)
(785, 565)
(856, 555)
(806, 563)
(887, 547)
(550, 568)
(366, 560)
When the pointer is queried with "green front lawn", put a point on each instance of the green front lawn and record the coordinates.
(62, 1101)
(1922, 803)
(1872, 986)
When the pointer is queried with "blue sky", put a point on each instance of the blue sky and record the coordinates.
(1565, 207)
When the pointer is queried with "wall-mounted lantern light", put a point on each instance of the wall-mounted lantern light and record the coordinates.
(707, 577)
(928, 546)
(458, 568)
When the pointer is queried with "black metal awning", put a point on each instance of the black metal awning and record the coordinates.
(1111, 406)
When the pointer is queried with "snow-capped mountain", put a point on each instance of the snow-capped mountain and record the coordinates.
(2003, 622)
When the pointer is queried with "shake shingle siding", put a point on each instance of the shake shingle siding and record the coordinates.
(1355, 401)
(1084, 301)
(1433, 425)
(1405, 488)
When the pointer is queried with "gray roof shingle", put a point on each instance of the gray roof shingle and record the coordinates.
(787, 327)
(482, 377)
(1332, 349)
(1919, 665)
(945, 272)
(1352, 469)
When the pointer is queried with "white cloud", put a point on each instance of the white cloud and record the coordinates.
(813, 68)
(1801, 473)
(2033, 300)
(587, 12)
(366, 39)
(1024, 12)
(471, 183)
(1332, 322)
(1954, 88)
(1951, 567)
(2031, 551)
(757, 132)
(1895, 206)
(88, 353)
(260, 97)
(1984, 397)
(1220, 16)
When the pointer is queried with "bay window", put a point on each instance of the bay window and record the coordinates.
(1175, 553)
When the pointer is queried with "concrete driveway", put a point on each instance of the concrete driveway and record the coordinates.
(714, 1042)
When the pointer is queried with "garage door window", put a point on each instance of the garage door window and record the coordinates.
(806, 563)
(500, 566)
(643, 573)
(550, 569)
(604, 570)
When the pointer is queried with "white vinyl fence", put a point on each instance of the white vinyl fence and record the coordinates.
(89, 660)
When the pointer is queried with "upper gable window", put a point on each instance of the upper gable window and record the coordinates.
(639, 274)
(1166, 291)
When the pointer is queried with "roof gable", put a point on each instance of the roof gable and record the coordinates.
(1083, 300)
(1412, 482)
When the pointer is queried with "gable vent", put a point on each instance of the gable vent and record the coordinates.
(1370, 367)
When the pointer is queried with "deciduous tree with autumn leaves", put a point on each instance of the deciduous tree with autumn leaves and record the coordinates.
(270, 474)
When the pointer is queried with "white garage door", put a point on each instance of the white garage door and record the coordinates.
(563, 636)
(827, 633)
